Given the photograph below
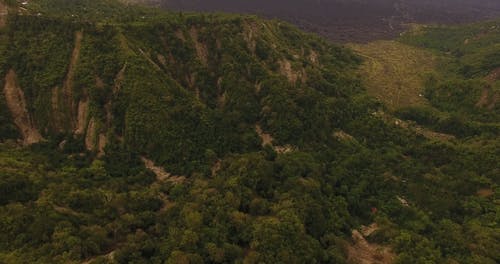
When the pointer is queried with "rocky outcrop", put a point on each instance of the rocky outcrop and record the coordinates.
(81, 119)
(16, 103)
(90, 135)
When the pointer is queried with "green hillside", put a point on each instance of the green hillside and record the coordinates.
(466, 85)
(131, 135)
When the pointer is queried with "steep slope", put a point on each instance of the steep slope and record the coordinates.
(175, 138)
(173, 69)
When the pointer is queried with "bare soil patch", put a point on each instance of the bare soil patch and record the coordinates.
(4, 11)
(161, 174)
(16, 103)
(485, 192)
(201, 49)
(362, 252)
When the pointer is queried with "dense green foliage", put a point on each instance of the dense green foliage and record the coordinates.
(187, 91)
(464, 93)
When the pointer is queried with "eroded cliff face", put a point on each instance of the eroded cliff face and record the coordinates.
(16, 102)
(4, 11)
(150, 86)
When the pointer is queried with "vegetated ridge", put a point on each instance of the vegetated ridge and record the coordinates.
(193, 138)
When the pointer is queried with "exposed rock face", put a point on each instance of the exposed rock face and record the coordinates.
(201, 49)
(287, 71)
(101, 144)
(16, 103)
(90, 136)
(83, 109)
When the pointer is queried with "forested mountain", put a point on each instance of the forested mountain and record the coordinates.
(132, 135)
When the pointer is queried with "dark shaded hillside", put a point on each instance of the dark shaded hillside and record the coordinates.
(350, 20)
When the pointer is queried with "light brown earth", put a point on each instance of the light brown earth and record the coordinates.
(4, 11)
(485, 192)
(161, 177)
(81, 120)
(201, 49)
(267, 139)
(494, 75)
(90, 135)
(119, 79)
(109, 257)
(489, 97)
(366, 231)
(16, 103)
(287, 71)
(249, 33)
(343, 136)
(362, 252)
(161, 174)
(101, 144)
(414, 127)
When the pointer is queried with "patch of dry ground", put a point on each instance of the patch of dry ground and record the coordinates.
(394, 72)
(201, 49)
(81, 119)
(161, 174)
(363, 252)
(267, 139)
(161, 177)
(489, 97)
(109, 257)
(412, 126)
(4, 11)
(485, 192)
(16, 103)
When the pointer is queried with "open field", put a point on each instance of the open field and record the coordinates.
(394, 72)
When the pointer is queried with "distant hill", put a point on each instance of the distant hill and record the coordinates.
(350, 20)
